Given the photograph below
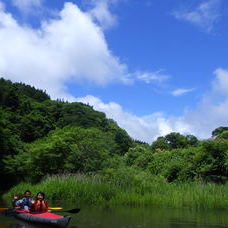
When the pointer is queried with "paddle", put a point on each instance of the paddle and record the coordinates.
(73, 211)
(9, 212)
(12, 211)
(55, 208)
(50, 208)
(3, 209)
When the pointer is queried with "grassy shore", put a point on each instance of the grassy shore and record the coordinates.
(93, 190)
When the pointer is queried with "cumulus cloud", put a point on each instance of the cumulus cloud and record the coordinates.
(210, 113)
(180, 92)
(199, 122)
(145, 128)
(205, 15)
(71, 47)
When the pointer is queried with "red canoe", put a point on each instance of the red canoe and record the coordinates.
(47, 218)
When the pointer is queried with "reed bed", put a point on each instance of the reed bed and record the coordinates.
(94, 190)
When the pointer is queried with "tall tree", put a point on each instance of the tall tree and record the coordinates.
(218, 131)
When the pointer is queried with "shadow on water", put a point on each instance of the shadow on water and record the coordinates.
(131, 217)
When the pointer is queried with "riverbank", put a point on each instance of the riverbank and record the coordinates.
(94, 190)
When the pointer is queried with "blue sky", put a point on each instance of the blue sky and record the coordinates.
(154, 66)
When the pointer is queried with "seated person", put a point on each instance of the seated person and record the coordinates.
(26, 202)
(15, 199)
(40, 204)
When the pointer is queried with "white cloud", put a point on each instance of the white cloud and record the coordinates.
(145, 128)
(149, 77)
(221, 82)
(71, 47)
(204, 16)
(210, 113)
(199, 122)
(179, 92)
(101, 13)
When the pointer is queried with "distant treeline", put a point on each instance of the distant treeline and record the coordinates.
(39, 137)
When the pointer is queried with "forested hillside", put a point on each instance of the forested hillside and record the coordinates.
(40, 137)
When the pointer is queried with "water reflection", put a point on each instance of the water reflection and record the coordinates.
(132, 217)
(21, 224)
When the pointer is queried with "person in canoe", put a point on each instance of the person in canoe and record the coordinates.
(40, 204)
(15, 199)
(26, 202)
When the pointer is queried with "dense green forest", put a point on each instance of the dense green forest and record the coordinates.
(40, 137)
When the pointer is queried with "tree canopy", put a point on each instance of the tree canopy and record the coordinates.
(29, 115)
(40, 136)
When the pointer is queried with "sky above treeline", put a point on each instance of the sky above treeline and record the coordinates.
(154, 66)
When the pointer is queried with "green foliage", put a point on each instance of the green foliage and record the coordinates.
(212, 163)
(139, 156)
(40, 137)
(223, 135)
(71, 149)
(160, 144)
(218, 131)
(10, 143)
(173, 141)
(158, 161)
(129, 178)
(123, 141)
(28, 114)
(191, 140)
(133, 154)
(12, 94)
(207, 162)
(115, 187)
(176, 140)
(114, 161)
(34, 126)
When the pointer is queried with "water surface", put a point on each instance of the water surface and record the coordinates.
(132, 217)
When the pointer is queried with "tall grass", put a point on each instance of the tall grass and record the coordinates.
(156, 192)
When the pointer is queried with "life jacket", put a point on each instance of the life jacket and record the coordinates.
(39, 205)
(24, 202)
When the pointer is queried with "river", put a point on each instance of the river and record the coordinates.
(132, 217)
